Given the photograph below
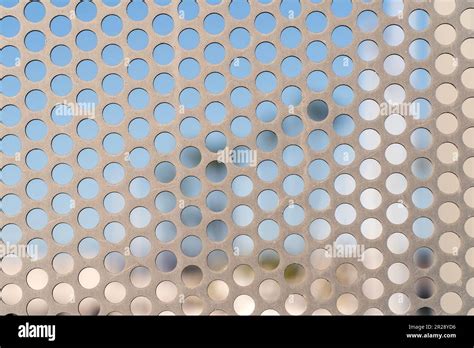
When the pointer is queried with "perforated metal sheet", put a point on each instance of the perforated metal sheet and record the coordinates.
(350, 190)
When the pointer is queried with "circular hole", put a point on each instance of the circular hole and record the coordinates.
(450, 272)
(319, 259)
(269, 290)
(140, 277)
(423, 257)
(166, 291)
(318, 110)
(399, 303)
(244, 305)
(243, 275)
(191, 276)
(269, 259)
(347, 304)
(295, 304)
(398, 273)
(166, 261)
(218, 290)
(294, 274)
(424, 288)
(451, 303)
(140, 306)
(217, 260)
(372, 288)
